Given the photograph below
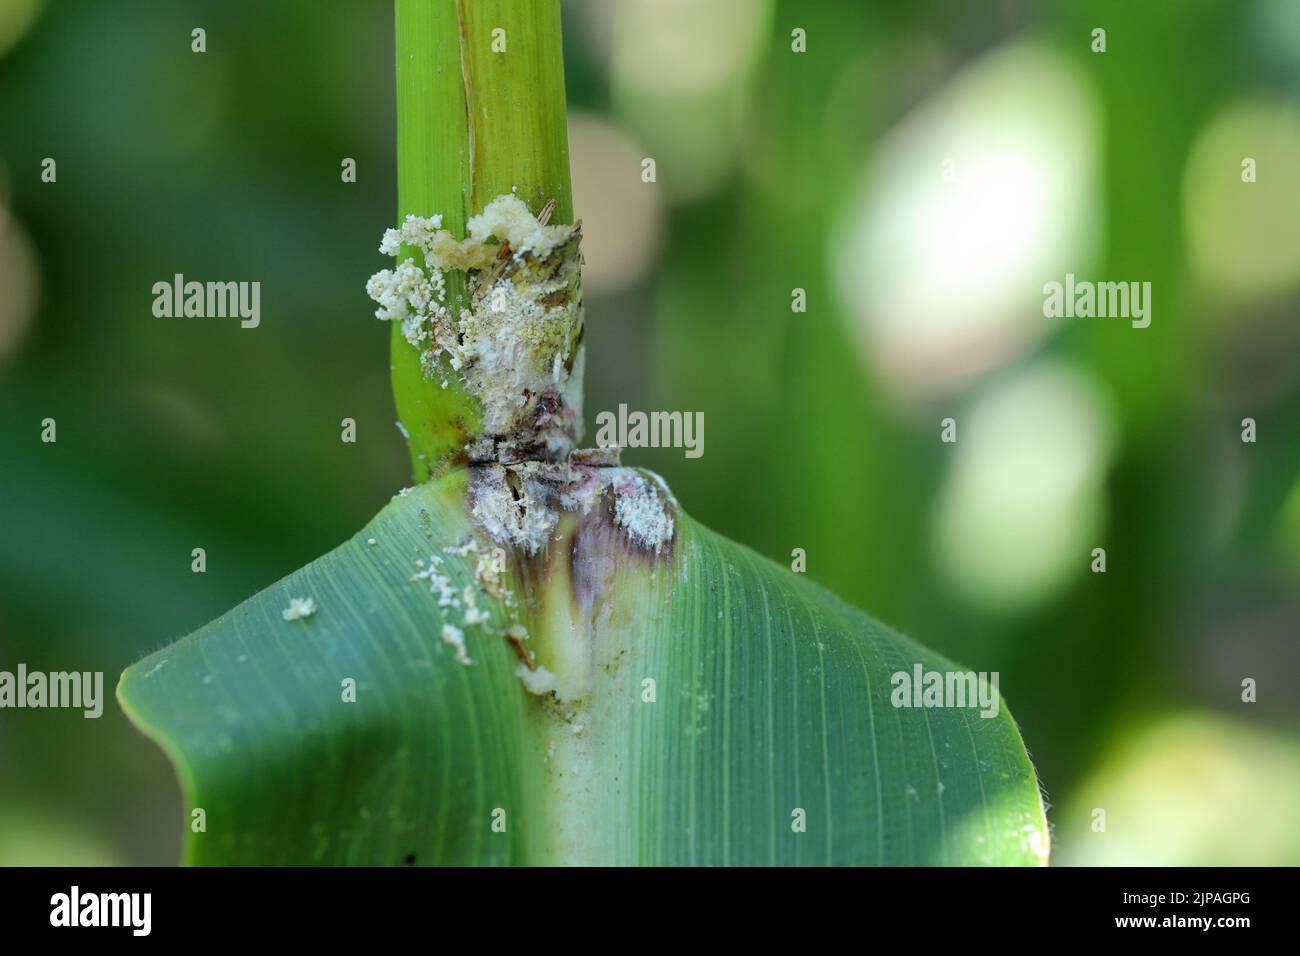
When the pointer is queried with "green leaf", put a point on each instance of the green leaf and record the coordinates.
(770, 702)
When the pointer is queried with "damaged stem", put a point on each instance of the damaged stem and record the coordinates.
(480, 114)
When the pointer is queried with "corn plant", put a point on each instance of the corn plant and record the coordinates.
(534, 655)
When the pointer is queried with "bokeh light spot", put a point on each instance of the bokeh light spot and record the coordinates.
(971, 204)
(1186, 792)
(613, 204)
(1023, 505)
(1244, 237)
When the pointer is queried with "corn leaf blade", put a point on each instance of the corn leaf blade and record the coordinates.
(731, 712)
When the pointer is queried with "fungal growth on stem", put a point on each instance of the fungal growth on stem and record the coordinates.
(516, 345)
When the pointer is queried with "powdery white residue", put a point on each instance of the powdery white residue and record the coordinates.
(439, 584)
(506, 217)
(516, 344)
(473, 615)
(416, 231)
(510, 346)
(299, 608)
(583, 492)
(488, 576)
(411, 296)
(520, 504)
(518, 516)
(455, 637)
(539, 682)
(640, 512)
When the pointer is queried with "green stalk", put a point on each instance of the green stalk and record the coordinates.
(472, 124)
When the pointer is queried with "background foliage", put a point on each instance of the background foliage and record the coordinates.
(820, 171)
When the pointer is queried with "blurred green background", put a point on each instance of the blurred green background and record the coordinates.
(920, 172)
